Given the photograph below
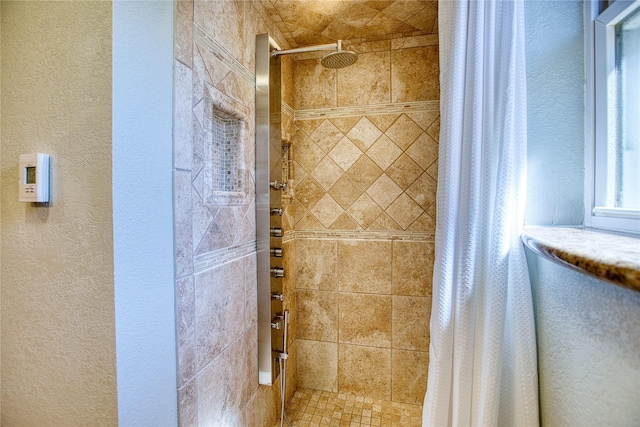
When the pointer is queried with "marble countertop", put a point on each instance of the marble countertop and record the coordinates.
(606, 255)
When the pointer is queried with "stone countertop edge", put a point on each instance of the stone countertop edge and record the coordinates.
(606, 255)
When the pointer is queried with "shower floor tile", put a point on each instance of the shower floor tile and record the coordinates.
(315, 408)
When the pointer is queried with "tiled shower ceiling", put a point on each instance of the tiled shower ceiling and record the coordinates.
(310, 22)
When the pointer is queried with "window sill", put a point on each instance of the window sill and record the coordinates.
(606, 255)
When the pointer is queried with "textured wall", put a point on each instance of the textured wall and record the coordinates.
(365, 167)
(555, 88)
(588, 340)
(58, 341)
(214, 66)
(587, 329)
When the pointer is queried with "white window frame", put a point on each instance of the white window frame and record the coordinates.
(599, 60)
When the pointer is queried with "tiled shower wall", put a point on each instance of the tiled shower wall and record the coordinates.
(215, 230)
(363, 216)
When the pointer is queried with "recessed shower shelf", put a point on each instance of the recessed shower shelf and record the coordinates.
(608, 256)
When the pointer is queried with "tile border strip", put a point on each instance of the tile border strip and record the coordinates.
(218, 257)
(201, 37)
(416, 236)
(287, 109)
(363, 110)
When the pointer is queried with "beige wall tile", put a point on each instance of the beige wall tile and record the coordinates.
(326, 210)
(404, 211)
(383, 121)
(409, 376)
(262, 407)
(183, 35)
(403, 132)
(308, 93)
(345, 153)
(344, 123)
(411, 323)
(317, 365)
(424, 151)
(423, 190)
(425, 222)
(316, 264)
(345, 191)
(317, 315)
(307, 154)
(327, 172)
(404, 171)
(327, 135)
(308, 192)
(384, 152)
(412, 268)
(364, 266)
(364, 210)
(364, 172)
(367, 81)
(365, 371)
(415, 74)
(364, 134)
(365, 319)
(384, 191)
(424, 119)
(224, 405)
(186, 330)
(345, 222)
(219, 297)
(384, 223)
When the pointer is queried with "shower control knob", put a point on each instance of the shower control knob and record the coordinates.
(276, 252)
(277, 297)
(277, 211)
(276, 232)
(276, 325)
(278, 185)
(277, 272)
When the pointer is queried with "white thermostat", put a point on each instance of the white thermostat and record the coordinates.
(33, 178)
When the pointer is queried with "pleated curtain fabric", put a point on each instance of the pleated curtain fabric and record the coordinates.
(483, 367)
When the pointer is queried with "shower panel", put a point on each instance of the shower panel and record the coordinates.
(272, 318)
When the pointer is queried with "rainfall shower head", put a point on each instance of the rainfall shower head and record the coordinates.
(338, 59)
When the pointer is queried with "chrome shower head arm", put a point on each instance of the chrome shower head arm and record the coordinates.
(330, 46)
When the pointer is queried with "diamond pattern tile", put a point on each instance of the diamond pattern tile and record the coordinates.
(364, 210)
(345, 191)
(326, 136)
(404, 210)
(308, 155)
(308, 22)
(364, 134)
(404, 171)
(326, 173)
(326, 210)
(384, 191)
(424, 151)
(403, 132)
(423, 190)
(384, 152)
(364, 172)
(345, 153)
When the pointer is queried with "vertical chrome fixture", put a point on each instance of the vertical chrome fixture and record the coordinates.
(272, 317)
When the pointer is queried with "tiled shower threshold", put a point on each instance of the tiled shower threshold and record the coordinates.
(316, 408)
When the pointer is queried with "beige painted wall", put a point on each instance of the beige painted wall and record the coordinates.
(58, 340)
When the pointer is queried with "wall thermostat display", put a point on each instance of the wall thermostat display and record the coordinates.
(33, 178)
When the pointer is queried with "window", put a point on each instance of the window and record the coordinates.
(613, 115)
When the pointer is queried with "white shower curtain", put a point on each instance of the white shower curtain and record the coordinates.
(482, 369)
